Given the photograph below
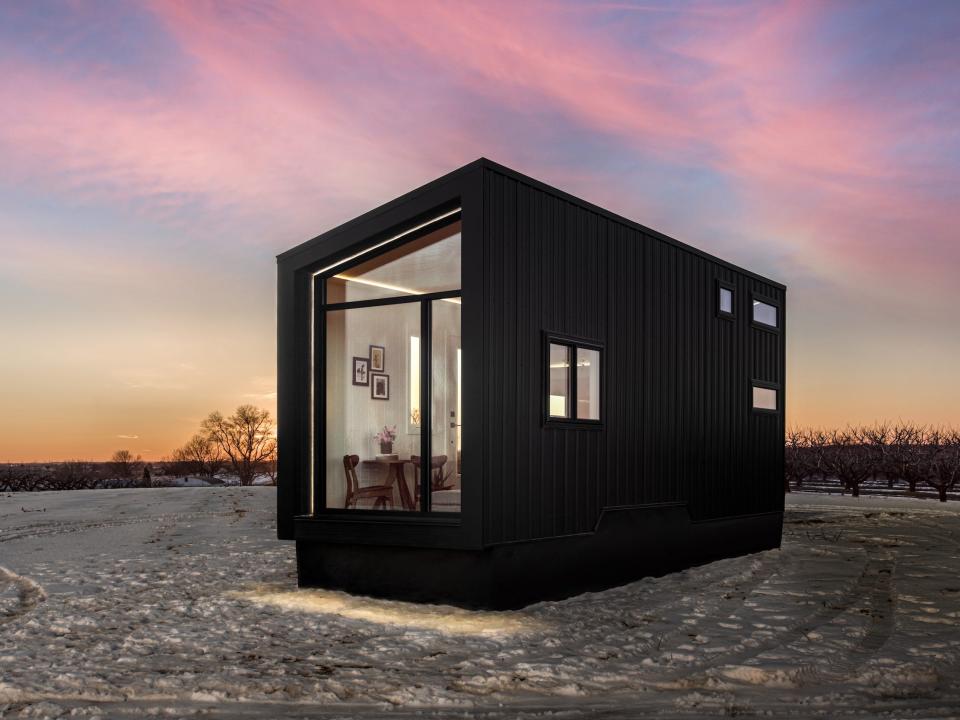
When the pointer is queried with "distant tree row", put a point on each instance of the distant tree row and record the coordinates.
(902, 453)
(121, 471)
(242, 444)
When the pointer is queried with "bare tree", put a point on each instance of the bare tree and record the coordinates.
(120, 464)
(269, 467)
(123, 466)
(246, 438)
(940, 461)
(849, 457)
(816, 442)
(796, 463)
(73, 475)
(877, 438)
(201, 456)
(903, 455)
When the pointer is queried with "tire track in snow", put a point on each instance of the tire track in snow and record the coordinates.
(47, 529)
(870, 592)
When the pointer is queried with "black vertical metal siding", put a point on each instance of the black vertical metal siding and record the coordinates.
(678, 424)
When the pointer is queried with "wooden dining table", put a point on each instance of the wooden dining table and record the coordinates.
(396, 475)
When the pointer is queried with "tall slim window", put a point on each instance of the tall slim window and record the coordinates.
(726, 301)
(559, 382)
(588, 384)
(573, 382)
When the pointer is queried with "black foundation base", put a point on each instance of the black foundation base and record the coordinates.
(628, 545)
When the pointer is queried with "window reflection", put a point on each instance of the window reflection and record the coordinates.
(764, 313)
(559, 381)
(588, 384)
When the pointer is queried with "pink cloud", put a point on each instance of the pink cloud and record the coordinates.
(269, 123)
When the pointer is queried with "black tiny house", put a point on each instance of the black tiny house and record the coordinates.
(491, 392)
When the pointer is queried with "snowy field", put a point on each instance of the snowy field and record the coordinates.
(180, 602)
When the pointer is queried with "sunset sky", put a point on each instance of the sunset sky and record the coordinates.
(155, 157)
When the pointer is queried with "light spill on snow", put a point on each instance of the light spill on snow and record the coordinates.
(181, 601)
(438, 618)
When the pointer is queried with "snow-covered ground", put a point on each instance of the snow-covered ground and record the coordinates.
(180, 601)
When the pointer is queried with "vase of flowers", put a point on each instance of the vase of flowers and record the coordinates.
(386, 437)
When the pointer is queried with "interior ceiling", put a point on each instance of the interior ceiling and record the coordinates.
(428, 264)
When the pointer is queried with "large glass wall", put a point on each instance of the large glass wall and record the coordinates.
(385, 401)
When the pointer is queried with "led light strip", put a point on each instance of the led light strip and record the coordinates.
(394, 288)
(386, 242)
(313, 403)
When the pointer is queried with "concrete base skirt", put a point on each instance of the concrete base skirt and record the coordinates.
(628, 544)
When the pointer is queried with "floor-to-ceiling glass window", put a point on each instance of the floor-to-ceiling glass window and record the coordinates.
(389, 385)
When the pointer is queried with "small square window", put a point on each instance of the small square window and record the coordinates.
(726, 301)
(764, 398)
(764, 313)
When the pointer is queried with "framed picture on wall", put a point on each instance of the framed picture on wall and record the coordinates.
(361, 371)
(379, 386)
(377, 358)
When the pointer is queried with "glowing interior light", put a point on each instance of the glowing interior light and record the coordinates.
(310, 422)
(414, 381)
(363, 252)
(386, 286)
(558, 406)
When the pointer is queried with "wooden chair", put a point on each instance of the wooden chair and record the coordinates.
(383, 494)
(437, 478)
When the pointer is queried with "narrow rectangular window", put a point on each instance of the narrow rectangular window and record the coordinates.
(764, 398)
(559, 381)
(588, 384)
(764, 313)
(726, 301)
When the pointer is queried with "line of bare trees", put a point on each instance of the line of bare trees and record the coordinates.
(901, 453)
(242, 444)
(122, 470)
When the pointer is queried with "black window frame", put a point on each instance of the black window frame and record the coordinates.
(766, 300)
(724, 285)
(767, 385)
(573, 343)
(425, 300)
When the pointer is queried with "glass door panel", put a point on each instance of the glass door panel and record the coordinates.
(445, 408)
(369, 453)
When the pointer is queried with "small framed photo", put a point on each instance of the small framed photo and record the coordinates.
(379, 386)
(377, 358)
(361, 371)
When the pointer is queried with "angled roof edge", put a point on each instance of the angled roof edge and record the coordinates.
(379, 210)
(533, 182)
